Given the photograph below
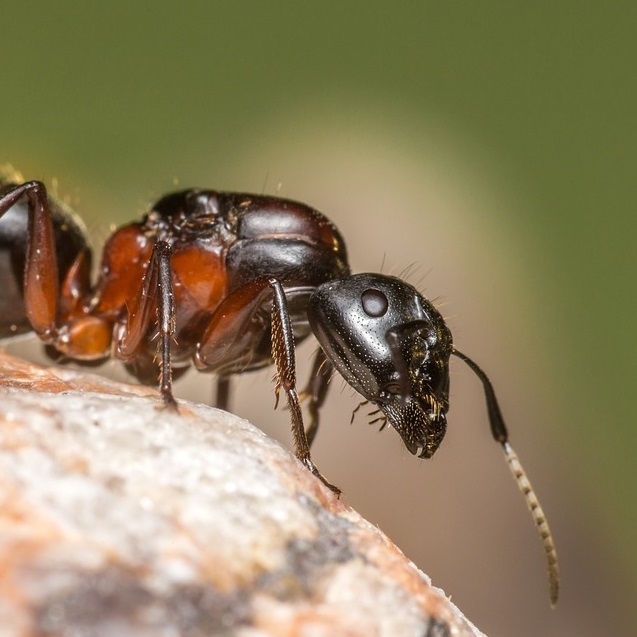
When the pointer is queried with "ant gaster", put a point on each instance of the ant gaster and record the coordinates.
(231, 282)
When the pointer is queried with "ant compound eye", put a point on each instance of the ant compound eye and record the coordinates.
(374, 302)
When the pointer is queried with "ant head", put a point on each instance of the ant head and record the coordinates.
(393, 347)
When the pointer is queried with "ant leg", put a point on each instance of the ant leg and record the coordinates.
(225, 348)
(223, 393)
(56, 307)
(283, 354)
(156, 291)
(166, 320)
(316, 389)
(41, 282)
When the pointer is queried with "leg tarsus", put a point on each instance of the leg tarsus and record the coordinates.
(313, 469)
(168, 401)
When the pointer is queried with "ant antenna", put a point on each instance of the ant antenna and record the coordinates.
(500, 434)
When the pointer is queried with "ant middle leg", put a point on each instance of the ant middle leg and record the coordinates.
(155, 293)
(316, 391)
(284, 358)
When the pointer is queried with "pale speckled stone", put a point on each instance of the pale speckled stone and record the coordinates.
(119, 517)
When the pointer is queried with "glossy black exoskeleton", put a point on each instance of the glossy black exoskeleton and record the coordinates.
(393, 347)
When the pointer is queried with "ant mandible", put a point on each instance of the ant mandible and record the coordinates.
(231, 282)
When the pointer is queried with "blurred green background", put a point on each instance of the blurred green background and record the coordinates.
(489, 148)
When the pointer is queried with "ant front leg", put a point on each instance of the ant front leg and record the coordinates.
(226, 348)
(283, 354)
(41, 281)
(156, 292)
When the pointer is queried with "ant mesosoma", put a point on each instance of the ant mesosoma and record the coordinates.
(231, 282)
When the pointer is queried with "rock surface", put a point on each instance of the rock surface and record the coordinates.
(121, 518)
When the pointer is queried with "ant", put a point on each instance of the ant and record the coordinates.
(231, 282)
